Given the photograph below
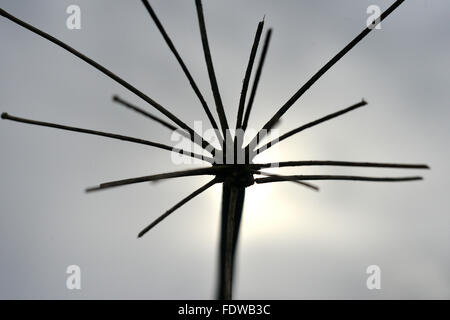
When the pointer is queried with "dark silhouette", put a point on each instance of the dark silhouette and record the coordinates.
(235, 177)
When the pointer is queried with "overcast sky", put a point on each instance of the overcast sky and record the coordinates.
(294, 243)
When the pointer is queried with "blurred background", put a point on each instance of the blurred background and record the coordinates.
(294, 243)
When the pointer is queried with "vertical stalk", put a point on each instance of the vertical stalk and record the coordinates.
(232, 205)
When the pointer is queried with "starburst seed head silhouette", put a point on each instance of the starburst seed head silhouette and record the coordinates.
(235, 176)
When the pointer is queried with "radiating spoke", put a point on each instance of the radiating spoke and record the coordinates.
(337, 177)
(108, 135)
(211, 72)
(157, 177)
(339, 164)
(248, 73)
(111, 75)
(183, 66)
(310, 125)
(153, 117)
(322, 71)
(175, 207)
(282, 178)
(141, 111)
(256, 80)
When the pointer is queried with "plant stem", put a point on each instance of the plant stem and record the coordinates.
(232, 204)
